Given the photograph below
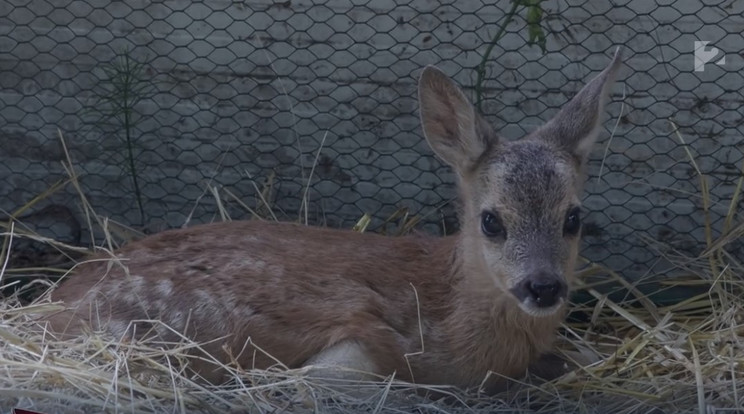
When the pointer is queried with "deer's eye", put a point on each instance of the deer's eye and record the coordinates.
(573, 222)
(491, 225)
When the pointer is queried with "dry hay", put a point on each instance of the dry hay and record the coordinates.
(685, 357)
(682, 357)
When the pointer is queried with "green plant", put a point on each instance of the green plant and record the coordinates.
(534, 28)
(124, 85)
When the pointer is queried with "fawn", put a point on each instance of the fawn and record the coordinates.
(436, 310)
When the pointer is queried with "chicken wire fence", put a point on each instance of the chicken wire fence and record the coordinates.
(161, 101)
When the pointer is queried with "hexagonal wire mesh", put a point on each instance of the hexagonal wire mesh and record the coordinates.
(179, 95)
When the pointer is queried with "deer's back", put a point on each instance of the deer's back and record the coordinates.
(293, 290)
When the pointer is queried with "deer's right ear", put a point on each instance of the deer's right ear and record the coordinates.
(454, 130)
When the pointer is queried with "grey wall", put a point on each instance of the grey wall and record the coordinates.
(237, 92)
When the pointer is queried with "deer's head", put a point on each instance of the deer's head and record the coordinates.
(520, 200)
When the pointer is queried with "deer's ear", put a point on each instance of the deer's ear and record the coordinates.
(576, 126)
(454, 130)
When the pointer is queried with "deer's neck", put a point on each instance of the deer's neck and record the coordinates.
(486, 326)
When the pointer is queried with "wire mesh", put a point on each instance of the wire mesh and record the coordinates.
(160, 101)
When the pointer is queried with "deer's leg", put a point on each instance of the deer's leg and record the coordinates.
(549, 367)
(552, 365)
(346, 360)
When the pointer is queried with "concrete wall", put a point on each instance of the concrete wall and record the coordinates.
(237, 92)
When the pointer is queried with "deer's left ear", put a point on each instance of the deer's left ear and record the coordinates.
(576, 126)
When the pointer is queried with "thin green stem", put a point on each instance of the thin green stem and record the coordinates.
(128, 85)
(481, 71)
(133, 171)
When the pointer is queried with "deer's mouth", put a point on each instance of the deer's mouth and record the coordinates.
(541, 294)
(539, 312)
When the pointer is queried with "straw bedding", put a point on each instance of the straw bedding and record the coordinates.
(686, 356)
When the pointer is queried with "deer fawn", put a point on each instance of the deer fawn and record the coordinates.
(436, 310)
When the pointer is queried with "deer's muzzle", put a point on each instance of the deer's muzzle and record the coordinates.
(541, 290)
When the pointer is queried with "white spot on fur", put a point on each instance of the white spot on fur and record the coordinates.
(254, 264)
(138, 283)
(117, 328)
(245, 313)
(164, 287)
(206, 298)
(114, 286)
(130, 290)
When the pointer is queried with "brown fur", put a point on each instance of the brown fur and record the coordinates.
(297, 291)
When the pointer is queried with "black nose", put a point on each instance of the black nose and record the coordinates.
(545, 293)
(543, 289)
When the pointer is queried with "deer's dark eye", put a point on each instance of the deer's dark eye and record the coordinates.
(491, 225)
(573, 222)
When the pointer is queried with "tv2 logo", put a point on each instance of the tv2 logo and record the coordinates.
(703, 56)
